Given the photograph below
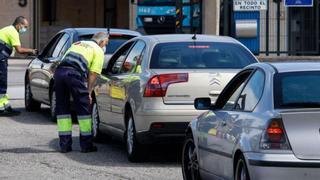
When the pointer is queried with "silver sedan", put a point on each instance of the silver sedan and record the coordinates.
(145, 95)
(264, 125)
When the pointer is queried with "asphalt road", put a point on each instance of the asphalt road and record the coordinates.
(29, 149)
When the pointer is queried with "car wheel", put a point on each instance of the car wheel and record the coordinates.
(134, 149)
(30, 103)
(241, 170)
(190, 163)
(95, 121)
(53, 115)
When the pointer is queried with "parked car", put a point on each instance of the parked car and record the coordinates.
(39, 74)
(146, 93)
(264, 125)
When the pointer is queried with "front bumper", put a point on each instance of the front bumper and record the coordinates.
(281, 166)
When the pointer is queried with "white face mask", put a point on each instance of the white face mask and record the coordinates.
(22, 30)
(104, 49)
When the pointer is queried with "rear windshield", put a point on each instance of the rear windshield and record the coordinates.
(297, 90)
(200, 55)
(114, 43)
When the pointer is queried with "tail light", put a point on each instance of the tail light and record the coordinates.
(275, 137)
(158, 84)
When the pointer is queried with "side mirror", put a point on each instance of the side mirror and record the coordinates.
(202, 103)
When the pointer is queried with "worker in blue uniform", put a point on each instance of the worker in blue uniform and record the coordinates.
(76, 76)
(9, 41)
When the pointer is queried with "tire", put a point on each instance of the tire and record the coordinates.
(29, 102)
(241, 172)
(95, 122)
(190, 163)
(134, 149)
(53, 116)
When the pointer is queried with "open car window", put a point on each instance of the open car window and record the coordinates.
(115, 41)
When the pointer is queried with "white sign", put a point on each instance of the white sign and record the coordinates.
(249, 5)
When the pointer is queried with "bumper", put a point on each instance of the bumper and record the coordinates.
(281, 166)
(166, 134)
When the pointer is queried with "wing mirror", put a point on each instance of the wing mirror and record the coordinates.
(202, 103)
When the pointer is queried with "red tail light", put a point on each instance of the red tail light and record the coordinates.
(158, 84)
(275, 136)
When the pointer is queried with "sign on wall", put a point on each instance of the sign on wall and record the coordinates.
(249, 5)
(298, 3)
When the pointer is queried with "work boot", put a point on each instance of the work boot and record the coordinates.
(9, 112)
(90, 149)
(66, 150)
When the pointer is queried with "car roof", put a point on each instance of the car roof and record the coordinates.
(283, 67)
(87, 31)
(188, 38)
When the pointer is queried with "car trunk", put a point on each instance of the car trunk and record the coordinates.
(303, 131)
(201, 83)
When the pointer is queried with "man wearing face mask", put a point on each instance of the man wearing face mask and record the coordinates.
(9, 41)
(82, 63)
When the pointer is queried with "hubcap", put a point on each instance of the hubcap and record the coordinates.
(53, 104)
(95, 120)
(191, 165)
(130, 133)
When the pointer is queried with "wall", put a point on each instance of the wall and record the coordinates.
(211, 16)
(9, 10)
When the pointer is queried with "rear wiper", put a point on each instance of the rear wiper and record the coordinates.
(301, 104)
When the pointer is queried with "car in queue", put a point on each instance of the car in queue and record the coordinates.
(264, 125)
(146, 93)
(39, 80)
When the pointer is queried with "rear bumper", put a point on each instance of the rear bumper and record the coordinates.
(168, 133)
(281, 166)
(172, 121)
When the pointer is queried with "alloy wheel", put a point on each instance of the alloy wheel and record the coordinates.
(190, 161)
(130, 136)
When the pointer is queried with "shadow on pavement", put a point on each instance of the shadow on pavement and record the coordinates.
(25, 151)
(112, 153)
(41, 117)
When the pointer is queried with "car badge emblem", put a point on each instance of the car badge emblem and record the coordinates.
(214, 81)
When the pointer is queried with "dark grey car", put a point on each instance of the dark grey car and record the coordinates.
(39, 74)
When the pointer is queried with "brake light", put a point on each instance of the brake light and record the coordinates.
(275, 137)
(157, 85)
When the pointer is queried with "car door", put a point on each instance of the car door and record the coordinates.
(36, 71)
(49, 65)
(103, 86)
(212, 127)
(121, 83)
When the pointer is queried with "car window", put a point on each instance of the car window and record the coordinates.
(252, 92)
(200, 55)
(49, 48)
(60, 45)
(133, 58)
(115, 41)
(231, 101)
(118, 58)
(231, 92)
(297, 90)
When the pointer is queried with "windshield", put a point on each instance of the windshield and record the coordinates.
(156, 2)
(200, 55)
(114, 43)
(297, 90)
